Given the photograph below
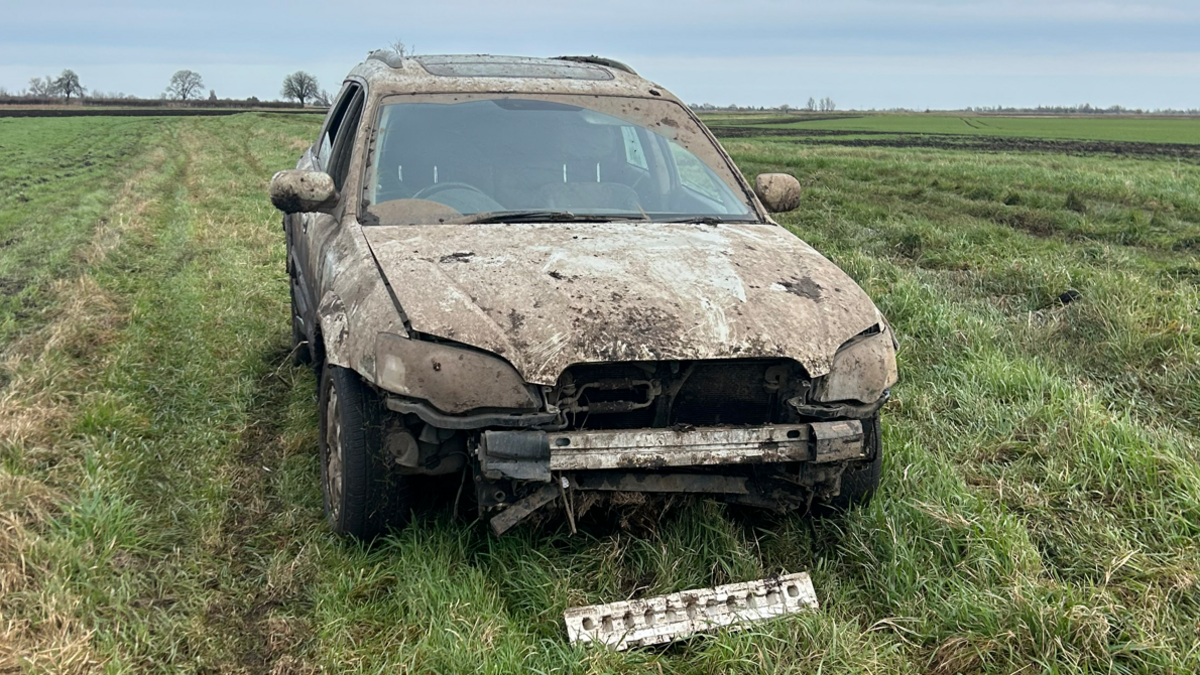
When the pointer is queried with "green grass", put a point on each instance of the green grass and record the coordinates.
(60, 177)
(1040, 507)
(1125, 129)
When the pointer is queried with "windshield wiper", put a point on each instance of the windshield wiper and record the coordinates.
(542, 216)
(702, 220)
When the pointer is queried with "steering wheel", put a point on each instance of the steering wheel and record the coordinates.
(426, 193)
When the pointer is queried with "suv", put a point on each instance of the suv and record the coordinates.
(547, 275)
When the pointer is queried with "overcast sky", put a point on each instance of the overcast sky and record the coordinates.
(862, 53)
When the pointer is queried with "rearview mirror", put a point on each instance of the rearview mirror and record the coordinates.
(296, 191)
(778, 192)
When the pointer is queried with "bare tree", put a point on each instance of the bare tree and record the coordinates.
(322, 98)
(827, 105)
(812, 104)
(300, 86)
(41, 86)
(212, 94)
(185, 85)
(400, 49)
(68, 85)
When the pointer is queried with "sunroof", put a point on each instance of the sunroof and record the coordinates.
(509, 66)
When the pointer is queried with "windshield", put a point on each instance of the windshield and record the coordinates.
(464, 158)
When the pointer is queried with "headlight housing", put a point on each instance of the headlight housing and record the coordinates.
(452, 379)
(863, 368)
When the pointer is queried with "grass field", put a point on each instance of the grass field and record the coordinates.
(159, 500)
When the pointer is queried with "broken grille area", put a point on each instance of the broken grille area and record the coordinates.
(639, 395)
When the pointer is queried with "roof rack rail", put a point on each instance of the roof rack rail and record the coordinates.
(388, 56)
(598, 60)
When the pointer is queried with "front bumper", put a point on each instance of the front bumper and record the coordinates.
(671, 460)
(659, 448)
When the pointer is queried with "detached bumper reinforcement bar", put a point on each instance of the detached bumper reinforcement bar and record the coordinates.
(650, 621)
(706, 446)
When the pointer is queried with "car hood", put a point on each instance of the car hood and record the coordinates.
(546, 296)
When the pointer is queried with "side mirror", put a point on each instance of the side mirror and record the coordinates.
(778, 192)
(296, 191)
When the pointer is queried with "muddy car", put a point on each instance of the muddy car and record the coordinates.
(547, 276)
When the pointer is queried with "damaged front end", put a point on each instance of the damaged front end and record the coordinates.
(754, 432)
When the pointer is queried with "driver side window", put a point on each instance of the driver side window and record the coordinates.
(335, 122)
(343, 143)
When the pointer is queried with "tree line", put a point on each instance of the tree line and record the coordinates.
(826, 104)
(185, 86)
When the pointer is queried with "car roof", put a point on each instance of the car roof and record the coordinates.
(387, 73)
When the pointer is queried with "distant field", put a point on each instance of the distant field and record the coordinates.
(160, 507)
(837, 127)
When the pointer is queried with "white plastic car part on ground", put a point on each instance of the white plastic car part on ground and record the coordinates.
(649, 621)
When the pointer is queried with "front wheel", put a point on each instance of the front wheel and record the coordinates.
(362, 496)
(861, 479)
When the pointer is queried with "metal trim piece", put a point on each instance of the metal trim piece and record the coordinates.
(666, 618)
(598, 60)
(832, 410)
(477, 421)
(836, 441)
(656, 448)
(522, 509)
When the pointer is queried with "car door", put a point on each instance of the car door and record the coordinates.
(310, 230)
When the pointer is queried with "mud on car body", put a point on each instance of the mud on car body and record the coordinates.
(547, 274)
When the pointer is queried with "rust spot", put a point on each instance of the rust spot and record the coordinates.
(628, 462)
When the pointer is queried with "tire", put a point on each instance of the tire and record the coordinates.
(301, 354)
(362, 497)
(860, 480)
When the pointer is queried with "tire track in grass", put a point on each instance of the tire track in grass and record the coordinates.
(149, 538)
(44, 476)
(219, 338)
(265, 628)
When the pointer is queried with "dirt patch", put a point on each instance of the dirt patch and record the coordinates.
(11, 286)
(804, 287)
(458, 256)
(1036, 223)
(792, 119)
(751, 132)
(1189, 153)
(1181, 151)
